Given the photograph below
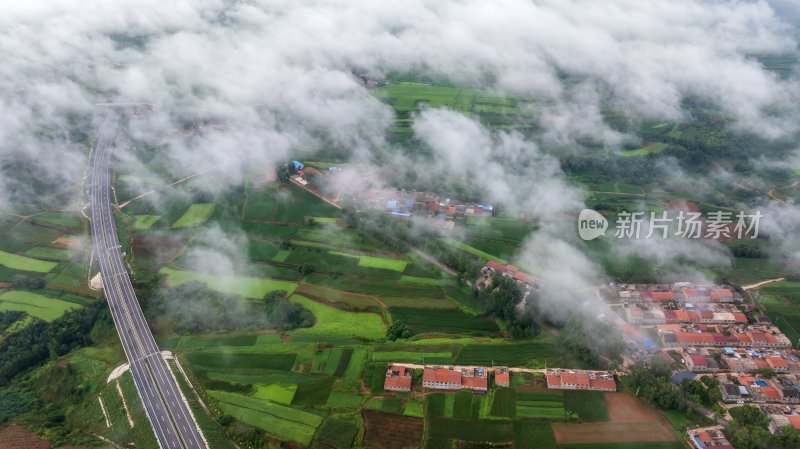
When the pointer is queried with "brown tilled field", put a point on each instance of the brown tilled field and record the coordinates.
(387, 431)
(630, 421)
(160, 248)
(18, 437)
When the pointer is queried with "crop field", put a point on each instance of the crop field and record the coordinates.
(652, 148)
(785, 292)
(747, 271)
(314, 392)
(494, 431)
(411, 357)
(787, 318)
(589, 405)
(287, 204)
(415, 407)
(222, 360)
(504, 402)
(431, 320)
(344, 400)
(336, 296)
(33, 234)
(419, 303)
(472, 250)
(282, 421)
(533, 435)
(196, 215)
(144, 222)
(337, 433)
(540, 405)
(22, 263)
(248, 287)
(353, 282)
(39, 306)
(46, 252)
(356, 364)
(390, 431)
(282, 394)
(334, 323)
(533, 354)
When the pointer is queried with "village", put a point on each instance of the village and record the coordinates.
(711, 331)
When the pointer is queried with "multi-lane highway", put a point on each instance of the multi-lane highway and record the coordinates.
(173, 423)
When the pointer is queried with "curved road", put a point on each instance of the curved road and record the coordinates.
(172, 421)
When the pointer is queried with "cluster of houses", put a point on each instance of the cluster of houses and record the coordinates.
(687, 335)
(741, 387)
(645, 313)
(580, 380)
(782, 415)
(427, 203)
(399, 377)
(679, 291)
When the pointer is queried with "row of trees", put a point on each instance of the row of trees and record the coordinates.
(40, 341)
(749, 429)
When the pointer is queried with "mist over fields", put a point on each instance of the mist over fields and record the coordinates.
(266, 81)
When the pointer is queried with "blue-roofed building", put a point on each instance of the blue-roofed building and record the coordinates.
(391, 204)
(298, 165)
(679, 377)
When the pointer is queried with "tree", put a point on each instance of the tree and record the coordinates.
(787, 438)
(397, 330)
(306, 269)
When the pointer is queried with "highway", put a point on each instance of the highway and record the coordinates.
(169, 415)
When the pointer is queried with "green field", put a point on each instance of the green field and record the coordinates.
(196, 215)
(494, 431)
(589, 405)
(474, 251)
(382, 262)
(653, 148)
(453, 321)
(334, 323)
(248, 287)
(39, 306)
(536, 353)
(540, 405)
(411, 357)
(46, 252)
(223, 359)
(17, 262)
(356, 364)
(533, 435)
(337, 433)
(282, 421)
(282, 394)
(144, 222)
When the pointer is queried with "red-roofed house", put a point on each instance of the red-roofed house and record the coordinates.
(502, 377)
(580, 380)
(475, 379)
(771, 393)
(698, 362)
(441, 378)
(602, 384)
(398, 378)
(778, 364)
(794, 420)
(721, 295)
(662, 296)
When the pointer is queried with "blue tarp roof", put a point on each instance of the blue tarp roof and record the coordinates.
(298, 165)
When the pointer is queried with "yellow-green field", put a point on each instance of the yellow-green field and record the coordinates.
(39, 306)
(196, 215)
(332, 322)
(248, 287)
(17, 262)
